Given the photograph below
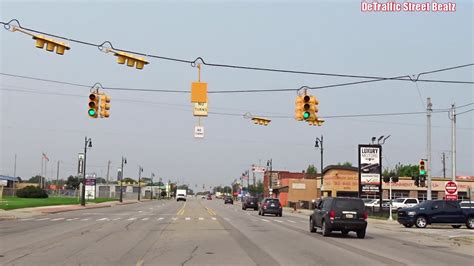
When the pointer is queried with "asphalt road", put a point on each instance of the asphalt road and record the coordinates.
(207, 232)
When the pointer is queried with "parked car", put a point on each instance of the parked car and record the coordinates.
(467, 204)
(368, 201)
(339, 214)
(250, 202)
(270, 205)
(376, 203)
(401, 203)
(436, 211)
(228, 200)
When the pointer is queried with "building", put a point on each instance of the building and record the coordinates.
(290, 187)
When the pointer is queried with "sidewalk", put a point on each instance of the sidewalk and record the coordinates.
(31, 212)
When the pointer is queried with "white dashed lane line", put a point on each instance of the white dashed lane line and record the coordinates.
(72, 219)
(43, 219)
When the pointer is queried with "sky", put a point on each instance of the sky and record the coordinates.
(155, 130)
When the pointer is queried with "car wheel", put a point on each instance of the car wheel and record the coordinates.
(361, 233)
(259, 212)
(312, 228)
(456, 226)
(281, 214)
(421, 222)
(263, 214)
(324, 229)
(470, 223)
(408, 225)
(345, 232)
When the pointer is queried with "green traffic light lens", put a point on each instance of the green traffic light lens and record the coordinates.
(422, 172)
(92, 112)
(306, 115)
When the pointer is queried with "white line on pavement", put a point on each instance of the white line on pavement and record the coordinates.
(131, 219)
(278, 221)
(174, 218)
(161, 218)
(72, 219)
(103, 219)
(43, 219)
(85, 219)
(57, 219)
(291, 221)
(187, 218)
(265, 220)
(213, 218)
(116, 219)
(200, 218)
(26, 219)
(145, 219)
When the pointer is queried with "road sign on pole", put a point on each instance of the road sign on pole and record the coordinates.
(199, 132)
(451, 190)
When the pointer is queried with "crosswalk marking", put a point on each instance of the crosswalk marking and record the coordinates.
(213, 218)
(200, 218)
(57, 219)
(187, 218)
(72, 219)
(43, 219)
(145, 219)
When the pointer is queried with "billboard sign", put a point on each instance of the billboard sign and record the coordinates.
(370, 169)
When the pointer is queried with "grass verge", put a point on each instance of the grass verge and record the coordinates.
(11, 203)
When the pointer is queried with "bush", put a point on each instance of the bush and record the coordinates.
(31, 192)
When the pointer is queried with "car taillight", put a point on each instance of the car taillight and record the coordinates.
(366, 215)
(332, 214)
(279, 205)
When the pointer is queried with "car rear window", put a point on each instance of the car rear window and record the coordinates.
(349, 204)
(272, 200)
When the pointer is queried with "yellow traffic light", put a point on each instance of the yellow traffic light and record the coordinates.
(310, 108)
(93, 105)
(299, 108)
(261, 121)
(318, 122)
(131, 60)
(104, 106)
(50, 44)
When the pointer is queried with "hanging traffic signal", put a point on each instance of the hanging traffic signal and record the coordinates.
(131, 60)
(417, 180)
(422, 168)
(318, 122)
(306, 107)
(299, 108)
(93, 105)
(422, 181)
(50, 44)
(104, 106)
(261, 121)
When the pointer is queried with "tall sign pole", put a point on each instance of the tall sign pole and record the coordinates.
(453, 141)
(428, 144)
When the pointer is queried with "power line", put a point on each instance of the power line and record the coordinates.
(103, 47)
(470, 110)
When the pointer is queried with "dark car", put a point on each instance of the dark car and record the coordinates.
(270, 205)
(209, 197)
(228, 200)
(436, 212)
(339, 214)
(250, 202)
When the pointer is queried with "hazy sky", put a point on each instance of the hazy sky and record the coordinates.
(155, 130)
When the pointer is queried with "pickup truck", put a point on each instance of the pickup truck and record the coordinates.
(436, 212)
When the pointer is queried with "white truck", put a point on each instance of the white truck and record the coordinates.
(181, 194)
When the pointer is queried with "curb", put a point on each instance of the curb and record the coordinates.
(85, 208)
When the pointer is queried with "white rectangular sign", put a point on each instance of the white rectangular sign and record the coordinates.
(199, 132)
(298, 186)
(200, 109)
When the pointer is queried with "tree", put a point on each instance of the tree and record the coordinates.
(145, 180)
(129, 180)
(402, 170)
(345, 164)
(35, 179)
(73, 182)
(311, 170)
(100, 180)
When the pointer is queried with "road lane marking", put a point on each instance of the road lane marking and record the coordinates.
(213, 218)
(278, 221)
(72, 219)
(188, 218)
(181, 211)
(291, 221)
(26, 219)
(174, 218)
(85, 219)
(43, 219)
(116, 219)
(265, 220)
(103, 219)
(161, 218)
(210, 211)
(131, 219)
(57, 219)
(145, 219)
(200, 218)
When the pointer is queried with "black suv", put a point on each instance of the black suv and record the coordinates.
(339, 214)
(270, 205)
(229, 200)
(250, 202)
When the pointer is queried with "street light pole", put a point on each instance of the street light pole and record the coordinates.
(124, 161)
(151, 186)
(87, 143)
(319, 144)
(270, 165)
(140, 170)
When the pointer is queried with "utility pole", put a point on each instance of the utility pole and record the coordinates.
(41, 175)
(124, 161)
(87, 143)
(14, 167)
(57, 178)
(270, 165)
(428, 145)
(108, 169)
(151, 186)
(443, 160)
(453, 140)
